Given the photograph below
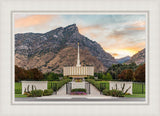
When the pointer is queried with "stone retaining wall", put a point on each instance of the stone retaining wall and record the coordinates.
(112, 85)
(38, 84)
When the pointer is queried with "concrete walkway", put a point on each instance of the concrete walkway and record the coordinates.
(61, 94)
(93, 91)
(62, 91)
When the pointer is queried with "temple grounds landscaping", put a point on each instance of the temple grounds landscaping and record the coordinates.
(52, 85)
(137, 88)
(116, 73)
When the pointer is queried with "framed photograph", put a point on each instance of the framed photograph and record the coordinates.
(79, 57)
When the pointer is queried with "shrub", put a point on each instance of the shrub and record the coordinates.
(94, 83)
(78, 90)
(25, 93)
(114, 93)
(91, 77)
(85, 77)
(78, 80)
(36, 93)
(47, 92)
(98, 79)
(57, 85)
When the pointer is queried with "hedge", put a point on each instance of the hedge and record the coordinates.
(36, 93)
(114, 93)
(47, 92)
(78, 90)
(94, 83)
(58, 83)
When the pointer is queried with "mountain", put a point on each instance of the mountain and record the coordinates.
(123, 60)
(138, 58)
(52, 50)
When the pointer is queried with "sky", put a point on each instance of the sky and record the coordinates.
(119, 34)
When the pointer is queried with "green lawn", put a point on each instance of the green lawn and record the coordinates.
(18, 88)
(138, 88)
(136, 95)
(20, 95)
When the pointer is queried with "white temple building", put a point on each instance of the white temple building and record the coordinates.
(78, 71)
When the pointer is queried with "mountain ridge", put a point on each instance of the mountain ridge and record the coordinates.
(123, 59)
(39, 50)
(138, 58)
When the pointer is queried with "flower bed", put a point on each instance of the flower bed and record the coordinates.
(78, 93)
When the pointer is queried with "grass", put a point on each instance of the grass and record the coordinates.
(18, 88)
(20, 95)
(138, 88)
(136, 95)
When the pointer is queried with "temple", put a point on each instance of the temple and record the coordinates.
(78, 71)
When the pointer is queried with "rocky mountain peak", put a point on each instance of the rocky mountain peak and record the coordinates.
(71, 28)
(138, 58)
(48, 51)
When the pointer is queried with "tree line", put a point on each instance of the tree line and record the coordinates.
(35, 75)
(130, 72)
(31, 74)
(124, 72)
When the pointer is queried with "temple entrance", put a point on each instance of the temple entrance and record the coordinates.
(77, 85)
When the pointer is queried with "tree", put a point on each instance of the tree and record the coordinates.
(104, 77)
(19, 73)
(36, 74)
(140, 73)
(107, 77)
(31, 74)
(126, 75)
(116, 69)
(53, 77)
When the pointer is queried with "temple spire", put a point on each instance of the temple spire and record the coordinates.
(78, 58)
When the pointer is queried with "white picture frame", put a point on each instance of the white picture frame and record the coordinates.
(6, 68)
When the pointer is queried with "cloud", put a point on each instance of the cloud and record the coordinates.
(126, 31)
(137, 28)
(123, 49)
(139, 24)
(115, 54)
(32, 20)
(83, 29)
